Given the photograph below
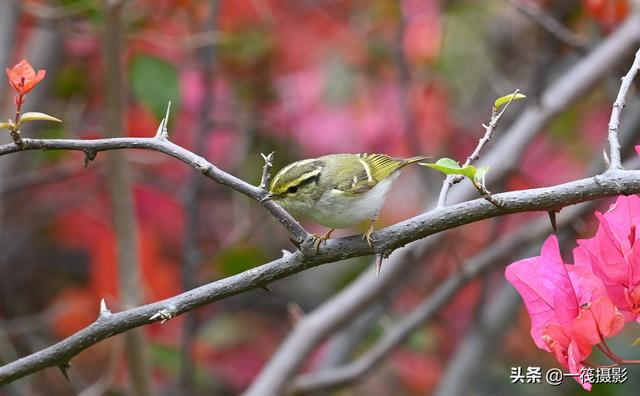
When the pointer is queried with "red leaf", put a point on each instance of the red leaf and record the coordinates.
(23, 78)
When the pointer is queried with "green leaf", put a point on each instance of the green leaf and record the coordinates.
(451, 167)
(636, 342)
(480, 174)
(446, 165)
(501, 101)
(35, 116)
(5, 125)
(155, 82)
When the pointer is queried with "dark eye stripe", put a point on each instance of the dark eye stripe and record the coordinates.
(304, 182)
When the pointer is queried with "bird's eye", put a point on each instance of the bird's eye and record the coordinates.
(292, 189)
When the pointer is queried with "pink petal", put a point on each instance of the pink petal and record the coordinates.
(623, 215)
(587, 286)
(544, 284)
(598, 320)
(610, 251)
(575, 358)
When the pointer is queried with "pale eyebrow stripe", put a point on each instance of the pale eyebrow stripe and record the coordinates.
(367, 169)
(286, 168)
(305, 176)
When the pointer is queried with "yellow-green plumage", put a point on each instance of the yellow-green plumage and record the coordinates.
(337, 190)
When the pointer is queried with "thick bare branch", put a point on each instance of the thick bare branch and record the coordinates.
(614, 182)
(195, 161)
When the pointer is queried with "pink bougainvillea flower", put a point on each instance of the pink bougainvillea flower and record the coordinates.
(613, 254)
(23, 78)
(569, 309)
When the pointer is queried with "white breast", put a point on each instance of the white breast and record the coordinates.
(336, 209)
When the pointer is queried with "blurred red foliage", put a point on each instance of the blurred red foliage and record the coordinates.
(304, 78)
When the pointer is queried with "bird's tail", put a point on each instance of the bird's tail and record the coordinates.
(413, 160)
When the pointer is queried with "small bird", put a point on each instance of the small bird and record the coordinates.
(337, 190)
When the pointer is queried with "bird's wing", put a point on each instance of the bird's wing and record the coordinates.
(371, 169)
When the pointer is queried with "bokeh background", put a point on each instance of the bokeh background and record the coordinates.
(301, 78)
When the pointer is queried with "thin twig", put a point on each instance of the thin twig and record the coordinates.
(549, 23)
(266, 169)
(488, 134)
(618, 105)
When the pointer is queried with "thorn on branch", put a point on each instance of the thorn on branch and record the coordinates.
(295, 243)
(164, 315)
(104, 311)
(552, 219)
(162, 132)
(89, 155)
(64, 369)
(379, 258)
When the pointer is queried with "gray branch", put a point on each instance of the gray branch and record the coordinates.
(483, 262)
(93, 146)
(503, 157)
(618, 105)
(611, 183)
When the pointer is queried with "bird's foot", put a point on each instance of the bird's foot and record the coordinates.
(367, 235)
(322, 239)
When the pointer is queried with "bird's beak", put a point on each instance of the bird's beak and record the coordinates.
(266, 198)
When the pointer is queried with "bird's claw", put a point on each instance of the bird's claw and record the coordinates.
(321, 239)
(367, 235)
